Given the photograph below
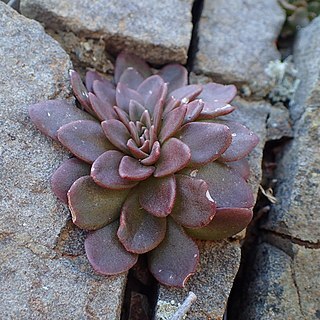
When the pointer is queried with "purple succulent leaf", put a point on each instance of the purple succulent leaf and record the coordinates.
(104, 92)
(126, 60)
(80, 91)
(154, 155)
(158, 109)
(135, 110)
(91, 76)
(122, 115)
(124, 95)
(226, 187)
(175, 75)
(175, 259)
(131, 169)
(103, 110)
(152, 90)
(194, 109)
(105, 252)
(139, 231)
(131, 78)
(194, 207)
(172, 123)
(241, 166)
(105, 171)
(117, 134)
(182, 95)
(215, 137)
(135, 151)
(63, 178)
(216, 98)
(93, 207)
(157, 195)
(243, 142)
(49, 116)
(226, 223)
(85, 139)
(174, 156)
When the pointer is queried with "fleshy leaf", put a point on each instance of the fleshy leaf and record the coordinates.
(243, 142)
(126, 60)
(175, 259)
(226, 223)
(93, 207)
(117, 133)
(157, 195)
(175, 75)
(194, 109)
(154, 155)
(104, 92)
(182, 95)
(63, 178)
(139, 231)
(85, 139)
(131, 169)
(105, 252)
(226, 187)
(172, 123)
(215, 137)
(194, 207)
(80, 91)
(174, 156)
(103, 110)
(135, 110)
(216, 98)
(91, 76)
(135, 151)
(242, 167)
(124, 95)
(49, 116)
(151, 90)
(131, 78)
(105, 171)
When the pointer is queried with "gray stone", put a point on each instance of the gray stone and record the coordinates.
(237, 42)
(219, 261)
(307, 62)
(43, 270)
(143, 26)
(296, 213)
(270, 292)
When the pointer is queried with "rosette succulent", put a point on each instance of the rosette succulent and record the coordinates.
(154, 166)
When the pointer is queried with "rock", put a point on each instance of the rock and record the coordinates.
(279, 123)
(219, 261)
(282, 285)
(296, 213)
(237, 42)
(307, 62)
(143, 26)
(44, 272)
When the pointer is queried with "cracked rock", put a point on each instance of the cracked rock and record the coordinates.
(143, 27)
(307, 62)
(237, 42)
(282, 285)
(38, 281)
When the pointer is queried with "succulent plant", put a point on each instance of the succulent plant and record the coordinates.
(154, 167)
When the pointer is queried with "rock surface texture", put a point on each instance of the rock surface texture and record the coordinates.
(43, 270)
(143, 27)
(284, 282)
(237, 42)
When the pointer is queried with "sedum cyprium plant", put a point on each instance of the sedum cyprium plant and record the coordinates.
(154, 166)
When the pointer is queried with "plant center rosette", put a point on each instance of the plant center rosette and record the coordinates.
(154, 167)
